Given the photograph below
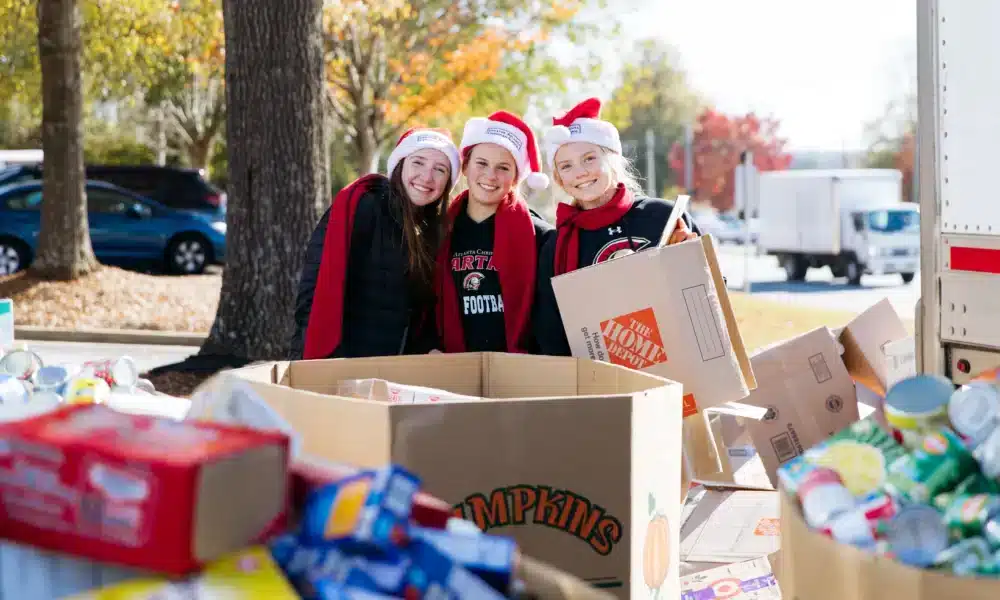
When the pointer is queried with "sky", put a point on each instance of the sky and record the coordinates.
(822, 67)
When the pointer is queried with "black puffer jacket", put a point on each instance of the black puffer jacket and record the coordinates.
(382, 315)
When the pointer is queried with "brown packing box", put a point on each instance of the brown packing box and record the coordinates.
(665, 311)
(576, 459)
(815, 567)
(864, 340)
(808, 393)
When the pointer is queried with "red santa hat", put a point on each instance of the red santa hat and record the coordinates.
(419, 138)
(581, 123)
(511, 133)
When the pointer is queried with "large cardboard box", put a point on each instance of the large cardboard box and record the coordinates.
(808, 393)
(578, 460)
(665, 311)
(815, 567)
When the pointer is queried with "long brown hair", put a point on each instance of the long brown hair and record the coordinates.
(423, 228)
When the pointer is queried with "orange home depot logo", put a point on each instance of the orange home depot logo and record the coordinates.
(564, 510)
(633, 340)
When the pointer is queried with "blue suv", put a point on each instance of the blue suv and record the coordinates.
(124, 227)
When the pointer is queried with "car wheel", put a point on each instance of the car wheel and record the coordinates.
(795, 268)
(188, 255)
(14, 256)
(907, 277)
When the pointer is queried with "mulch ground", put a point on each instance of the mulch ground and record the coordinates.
(113, 298)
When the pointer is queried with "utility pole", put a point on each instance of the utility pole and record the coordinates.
(650, 163)
(689, 159)
(749, 204)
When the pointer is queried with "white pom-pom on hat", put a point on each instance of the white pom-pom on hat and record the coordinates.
(537, 180)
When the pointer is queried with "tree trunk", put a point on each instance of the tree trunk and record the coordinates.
(277, 170)
(199, 151)
(64, 251)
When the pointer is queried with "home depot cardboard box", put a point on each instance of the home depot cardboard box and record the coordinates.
(578, 460)
(815, 567)
(665, 311)
(808, 394)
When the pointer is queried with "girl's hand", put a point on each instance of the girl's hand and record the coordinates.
(435, 352)
(681, 234)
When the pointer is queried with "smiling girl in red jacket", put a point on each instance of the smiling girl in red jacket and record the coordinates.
(487, 264)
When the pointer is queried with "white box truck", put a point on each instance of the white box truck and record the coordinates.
(851, 220)
(958, 135)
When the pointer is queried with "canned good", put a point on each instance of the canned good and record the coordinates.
(987, 454)
(21, 363)
(917, 406)
(117, 372)
(966, 516)
(966, 556)
(916, 536)
(974, 411)
(991, 531)
(87, 390)
(937, 466)
(977, 483)
(12, 390)
(823, 497)
(852, 528)
(51, 377)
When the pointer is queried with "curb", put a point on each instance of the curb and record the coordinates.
(108, 336)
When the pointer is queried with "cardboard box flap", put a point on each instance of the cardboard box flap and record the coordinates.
(864, 340)
(735, 337)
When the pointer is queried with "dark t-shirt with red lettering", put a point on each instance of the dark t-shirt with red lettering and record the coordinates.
(478, 283)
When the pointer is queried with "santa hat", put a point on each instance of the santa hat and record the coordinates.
(581, 123)
(510, 132)
(419, 138)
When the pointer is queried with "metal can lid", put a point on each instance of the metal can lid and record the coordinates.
(919, 395)
(974, 410)
(917, 535)
(20, 363)
(51, 376)
(125, 372)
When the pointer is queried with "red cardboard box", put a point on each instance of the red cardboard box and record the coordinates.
(141, 491)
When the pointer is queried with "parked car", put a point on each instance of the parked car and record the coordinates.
(173, 187)
(722, 230)
(124, 228)
(737, 228)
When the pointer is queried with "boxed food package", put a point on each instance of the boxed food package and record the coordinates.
(249, 574)
(577, 460)
(6, 324)
(163, 495)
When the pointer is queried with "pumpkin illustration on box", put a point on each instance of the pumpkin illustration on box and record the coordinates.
(656, 550)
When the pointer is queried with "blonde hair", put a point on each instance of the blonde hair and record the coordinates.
(622, 171)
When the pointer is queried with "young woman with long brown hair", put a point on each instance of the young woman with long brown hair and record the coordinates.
(367, 285)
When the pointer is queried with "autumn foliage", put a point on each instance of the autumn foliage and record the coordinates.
(719, 141)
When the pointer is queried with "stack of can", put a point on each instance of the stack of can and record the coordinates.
(28, 386)
(927, 492)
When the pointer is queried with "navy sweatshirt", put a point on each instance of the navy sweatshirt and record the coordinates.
(640, 228)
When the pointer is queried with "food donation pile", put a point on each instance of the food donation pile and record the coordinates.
(924, 490)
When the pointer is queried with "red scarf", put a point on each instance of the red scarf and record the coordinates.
(326, 318)
(515, 260)
(570, 219)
